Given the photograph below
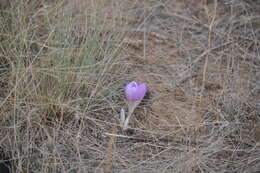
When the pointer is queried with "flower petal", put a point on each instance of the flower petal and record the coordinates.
(141, 89)
(130, 89)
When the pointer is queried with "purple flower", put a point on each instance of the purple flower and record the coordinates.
(134, 92)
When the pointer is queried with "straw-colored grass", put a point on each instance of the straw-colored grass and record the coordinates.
(61, 78)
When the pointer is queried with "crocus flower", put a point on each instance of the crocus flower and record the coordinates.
(134, 93)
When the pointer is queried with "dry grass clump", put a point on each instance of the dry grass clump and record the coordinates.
(63, 65)
(61, 75)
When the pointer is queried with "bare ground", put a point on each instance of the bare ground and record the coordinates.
(200, 60)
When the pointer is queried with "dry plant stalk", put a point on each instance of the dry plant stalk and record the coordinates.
(110, 149)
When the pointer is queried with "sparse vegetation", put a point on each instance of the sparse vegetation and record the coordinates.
(63, 65)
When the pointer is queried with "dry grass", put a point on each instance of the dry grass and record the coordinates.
(63, 65)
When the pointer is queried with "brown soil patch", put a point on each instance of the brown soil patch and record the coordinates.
(157, 62)
(198, 70)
